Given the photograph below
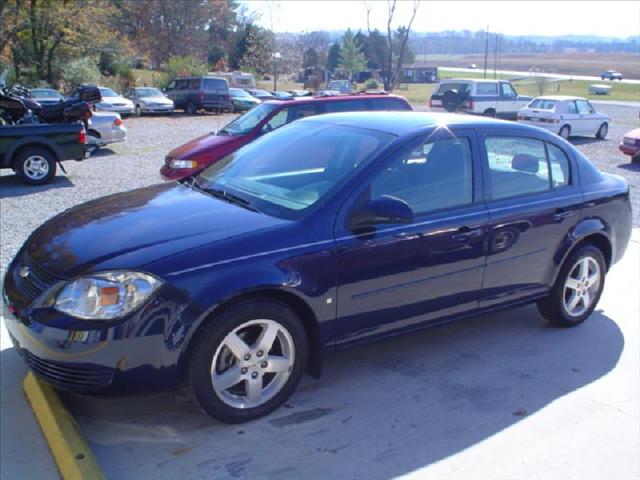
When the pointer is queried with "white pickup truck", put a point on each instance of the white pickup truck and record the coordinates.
(493, 98)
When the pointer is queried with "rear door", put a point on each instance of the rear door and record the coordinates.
(394, 277)
(533, 203)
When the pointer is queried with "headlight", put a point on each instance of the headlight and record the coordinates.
(183, 164)
(106, 295)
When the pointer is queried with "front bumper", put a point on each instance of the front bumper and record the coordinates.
(156, 108)
(138, 352)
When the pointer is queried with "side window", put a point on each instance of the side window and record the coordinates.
(583, 107)
(171, 86)
(276, 121)
(194, 84)
(559, 164)
(517, 166)
(436, 175)
(507, 90)
(182, 84)
(301, 111)
(345, 106)
(214, 84)
(387, 104)
(571, 107)
(487, 88)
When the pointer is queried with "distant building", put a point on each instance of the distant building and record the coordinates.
(419, 73)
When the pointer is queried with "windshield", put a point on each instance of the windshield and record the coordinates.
(107, 92)
(543, 104)
(238, 92)
(247, 122)
(262, 93)
(148, 92)
(294, 167)
(45, 93)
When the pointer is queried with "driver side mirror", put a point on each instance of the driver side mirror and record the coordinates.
(383, 210)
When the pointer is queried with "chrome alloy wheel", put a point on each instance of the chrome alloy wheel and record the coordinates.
(36, 167)
(252, 363)
(581, 286)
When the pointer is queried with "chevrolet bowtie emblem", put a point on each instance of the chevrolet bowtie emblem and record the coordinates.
(24, 272)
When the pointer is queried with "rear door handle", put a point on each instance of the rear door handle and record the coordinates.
(464, 234)
(561, 214)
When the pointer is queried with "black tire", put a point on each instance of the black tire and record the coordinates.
(191, 109)
(212, 336)
(635, 158)
(452, 100)
(601, 134)
(552, 307)
(23, 165)
(489, 112)
(138, 111)
(567, 129)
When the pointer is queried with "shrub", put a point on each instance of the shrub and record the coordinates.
(79, 71)
(183, 66)
(372, 84)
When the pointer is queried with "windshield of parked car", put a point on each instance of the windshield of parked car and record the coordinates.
(107, 92)
(291, 169)
(148, 92)
(238, 92)
(459, 87)
(543, 104)
(261, 93)
(43, 93)
(247, 122)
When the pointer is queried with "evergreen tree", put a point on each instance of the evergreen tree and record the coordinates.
(351, 58)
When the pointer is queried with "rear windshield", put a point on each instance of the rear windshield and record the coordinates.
(458, 87)
(543, 104)
(214, 84)
(247, 122)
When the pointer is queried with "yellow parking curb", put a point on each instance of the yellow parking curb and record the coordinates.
(69, 448)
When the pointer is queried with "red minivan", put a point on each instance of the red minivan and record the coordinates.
(197, 154)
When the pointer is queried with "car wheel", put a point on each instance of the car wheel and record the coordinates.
(635, 158)
(138, 111)
(601, 134)
(565, 132)
(577, 289)
(248, 360)
(489, 112)
(191, 108)
(36, 166)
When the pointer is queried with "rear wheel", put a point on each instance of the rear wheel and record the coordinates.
(565, 132)
(490, 112)
(248, 360)
(601, 134)
(35, 165)
(577, 289)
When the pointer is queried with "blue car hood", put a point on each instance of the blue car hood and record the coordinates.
(133, 229)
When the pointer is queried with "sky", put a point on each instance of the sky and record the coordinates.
(548, 18)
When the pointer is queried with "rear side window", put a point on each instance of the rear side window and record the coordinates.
(194, 84)
(559, 164)
(517, 166)
(387, 104)
(571, 107)
(215, 84)
(542, 104)
(487, 88)
(302, 111)
(345, 106)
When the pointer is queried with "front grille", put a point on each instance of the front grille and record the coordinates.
(68, 376)
(36, 281)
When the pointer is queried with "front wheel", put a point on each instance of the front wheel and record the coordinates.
(601, 134)
(138, 111)
(248, 360)
(36, 165)
(192, 108)
(577, 289)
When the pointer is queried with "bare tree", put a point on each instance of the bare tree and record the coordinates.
(397, 43)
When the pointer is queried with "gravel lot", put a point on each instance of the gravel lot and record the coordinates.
(135, 163)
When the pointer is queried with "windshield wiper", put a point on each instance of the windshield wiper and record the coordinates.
(229, 197)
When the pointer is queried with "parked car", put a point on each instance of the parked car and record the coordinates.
(342, 86)
(492, 98)
(34, 150)
(567, 116)
(611, 75)
(46, 96)
(329, 232)
(299, 93)
(201, 152)
(241, 100)
(473, 66)
(630, 145)
(149, 100)
(105, 128)
(282, 95)
(112, 101)
(260, 94)
(193, 94)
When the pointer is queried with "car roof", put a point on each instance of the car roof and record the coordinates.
(400, 122)
(333, 98)
(472, 80)
(559, 98)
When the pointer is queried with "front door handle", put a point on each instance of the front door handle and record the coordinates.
(560, 214)
(464, 234)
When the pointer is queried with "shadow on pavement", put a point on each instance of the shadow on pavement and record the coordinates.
(633, 166)
(13, 186)
(380, 410)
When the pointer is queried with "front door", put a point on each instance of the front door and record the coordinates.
(393, 277)
(533, 203)
(508, 101)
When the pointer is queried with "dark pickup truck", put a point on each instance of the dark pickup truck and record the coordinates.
(34, 150)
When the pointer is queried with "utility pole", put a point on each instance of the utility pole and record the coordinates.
(495, 60)
(486, 51)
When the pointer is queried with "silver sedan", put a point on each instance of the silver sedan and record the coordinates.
(149, 100)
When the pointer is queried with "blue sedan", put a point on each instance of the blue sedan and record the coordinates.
(331, 231)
